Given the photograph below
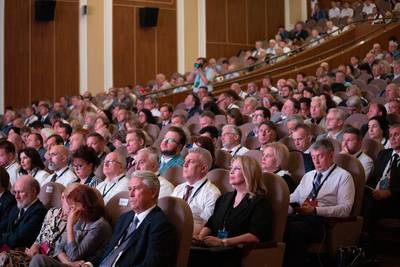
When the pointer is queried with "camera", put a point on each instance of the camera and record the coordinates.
(198, 65)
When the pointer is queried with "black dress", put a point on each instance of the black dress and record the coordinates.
(252, 215)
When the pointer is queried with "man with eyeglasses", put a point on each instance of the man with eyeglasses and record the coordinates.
(231, 137)
(171, 146)
(58, 163)
(116, 180)
(259, 116)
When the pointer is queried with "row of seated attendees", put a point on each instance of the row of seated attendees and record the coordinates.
(134, 145)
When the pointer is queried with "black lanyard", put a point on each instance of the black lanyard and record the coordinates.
(197, 190)
(89, 179)
(316, 190)
(359, 154)
(237, 150)
(58, 176)
(105, 186)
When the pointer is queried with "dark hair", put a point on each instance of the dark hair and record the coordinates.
(168, 106)
(383, 123)
(36, 124)
(98, 136)
(271, 126)
(7, 146)
(33, 154)
(212, 130)
(139, 134)
(38, 137)
(323, 143)
(196, 99)
(305, 100)
(4, 178)
(93, 206)
(381, 108)
(206, 143)
(309, 90)
(277, 104)
(355, 131)
(236, 114)
(59, 140)
(16, 130)
(88, 155)
(213, 107)
(296, 103)
(208, 114)
(181, 133)
(67, 127)
(266, 112)
(149, 116)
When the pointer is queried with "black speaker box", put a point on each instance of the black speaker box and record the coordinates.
(148, 16)
(45, 10)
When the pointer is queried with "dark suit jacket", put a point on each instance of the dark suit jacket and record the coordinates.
(308, 163)
(153, 243)
(7, 202)
(379, 167)
(46, 120)
(23, 233)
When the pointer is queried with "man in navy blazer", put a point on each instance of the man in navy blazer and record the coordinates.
(143, 236)
(25, 220)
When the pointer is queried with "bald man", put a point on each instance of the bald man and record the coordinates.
(25, 220)
(58, 163)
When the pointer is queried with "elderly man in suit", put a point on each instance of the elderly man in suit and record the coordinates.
(25, 220)
(143, 236)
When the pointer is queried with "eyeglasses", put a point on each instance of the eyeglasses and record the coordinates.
(78, 166)
(170, 140)
(109, 162)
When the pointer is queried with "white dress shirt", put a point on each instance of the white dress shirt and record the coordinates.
(12, 170)
(30, 119)
(368, 9)
(64, 176)
(141, 216)
(334, 12)
(201, 200)
(238, 150)
(366, 162)
(166, 188)
(336, 196)
(347, 12)
(108, 189)
(39, 175)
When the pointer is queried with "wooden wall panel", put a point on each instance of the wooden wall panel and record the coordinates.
(66, 40)
(166, 39)
(16, 53)
(216, 27)
(41, 58)
(123, 45)
(140, 53)
(237, 21)
(145, 63)
(247, 21)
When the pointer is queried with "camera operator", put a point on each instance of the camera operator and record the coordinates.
(202, 75)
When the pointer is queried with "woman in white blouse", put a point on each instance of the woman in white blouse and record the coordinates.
(31, 164)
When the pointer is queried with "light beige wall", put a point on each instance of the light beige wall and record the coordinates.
(191, 33)
(295, 11)
(95, 44)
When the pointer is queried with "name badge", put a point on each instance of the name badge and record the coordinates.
(222, 234)
(49, 189)
(123, 202)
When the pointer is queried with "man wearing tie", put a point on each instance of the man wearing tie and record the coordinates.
(382, 193)
(25, 220)
(143, 236)
(198, 191)
(327, 191)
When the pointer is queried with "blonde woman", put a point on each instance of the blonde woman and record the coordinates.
(240, 217)
(274, 155)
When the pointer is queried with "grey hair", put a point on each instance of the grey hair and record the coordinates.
(296, 118)
(205, 155)
(151, 153)
(235, 130)
(324, 144)
(121, 159)
(354, 101)
(252, 100)
(321, 101)
(339, 113)
(149, 178)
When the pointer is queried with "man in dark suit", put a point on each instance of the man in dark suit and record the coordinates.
(382, 196)
(25, 220)
(302, 140)
(143, 236)
(7, 200)
(44, 114)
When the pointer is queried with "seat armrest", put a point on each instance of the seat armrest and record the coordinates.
(262, 245)
(331, 221)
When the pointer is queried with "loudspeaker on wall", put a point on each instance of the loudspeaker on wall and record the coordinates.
(148, 16)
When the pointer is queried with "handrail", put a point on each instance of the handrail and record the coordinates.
(164, 92)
